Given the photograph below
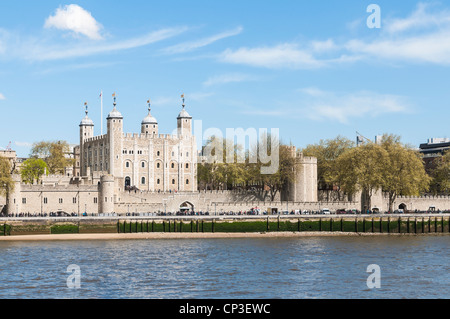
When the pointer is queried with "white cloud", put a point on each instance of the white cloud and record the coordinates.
(34, 49)
(343, 107)
(419, 19)
(228, 78)
(23, 144)
(192, 45)
(430, 48)
(312, 91)
(2, 97)
(280, 56)
(76, 19)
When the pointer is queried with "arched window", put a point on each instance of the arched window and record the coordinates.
(127, 164)
(143, 164)
(158, 153)
(187, 182)
(187, 165)
(173, 165)
(157, 165)
(173, 181)
(143, 180)
(157, 181)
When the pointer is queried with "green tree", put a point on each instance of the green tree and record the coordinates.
(441, 174)
(54, 154)
(327, 152)
(362, 169)
(32, 170)
(217, 170)
(404, 173)
(6, 180)
(286, 173)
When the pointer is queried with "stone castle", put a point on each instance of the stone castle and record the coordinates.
(151, 172)
(146, 172)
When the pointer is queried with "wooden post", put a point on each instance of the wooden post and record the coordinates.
(212, 226)
(442, 225)
(164, 226)
(415, 225)
(373, 228)
(192, 224)
(174, 226)
(268, 227)
(364, 224)
(331, 224)
(423, 225)
(435, 224)
(356, 225)
(202, 225)
(429, 224)
(118, 227)
(381, 224)
(389, 224)
(407, 226)
(298, 224)
(320, 224)
(124, 228)
(153, 226)
(342, 225)
(399, 225)
(181, 226)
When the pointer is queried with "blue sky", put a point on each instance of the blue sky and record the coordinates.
(313, 69)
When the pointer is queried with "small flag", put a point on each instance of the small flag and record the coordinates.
(182, 96)
(101, 93)
(114, 94)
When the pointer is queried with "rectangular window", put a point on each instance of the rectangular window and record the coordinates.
(45, 200)
(74, 200)
(24, 200)
(60, 200)
(95, 200)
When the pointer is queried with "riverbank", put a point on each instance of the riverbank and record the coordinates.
(141, 236)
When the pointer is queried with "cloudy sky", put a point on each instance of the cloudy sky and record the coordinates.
(313, 69)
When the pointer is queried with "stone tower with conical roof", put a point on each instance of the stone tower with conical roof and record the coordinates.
(184, 123)
(115, 139)
(86, 132)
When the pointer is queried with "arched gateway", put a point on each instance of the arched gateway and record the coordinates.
(186, 207)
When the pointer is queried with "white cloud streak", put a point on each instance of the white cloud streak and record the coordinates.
(193, 45)
(228, 78)
(23, 144)
(2, 97)
(38, 50)
(76, 19)
(280, 56)
(396, 42)
(322, 105)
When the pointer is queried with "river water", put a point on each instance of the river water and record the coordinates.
(287, 268)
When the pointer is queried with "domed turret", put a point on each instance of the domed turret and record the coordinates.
(149, 124)
(86, 121)
(184, 122)
(114, 114)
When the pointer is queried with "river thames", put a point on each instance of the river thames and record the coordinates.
(250, 268)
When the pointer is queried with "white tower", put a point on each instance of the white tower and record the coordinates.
(86, 131)
(115, 140)
(149, 124)
(184, 123)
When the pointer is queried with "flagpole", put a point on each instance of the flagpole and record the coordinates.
(101, 112)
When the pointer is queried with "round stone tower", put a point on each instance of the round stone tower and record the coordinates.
(14, 203)
(106, 194)
(149, 124)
